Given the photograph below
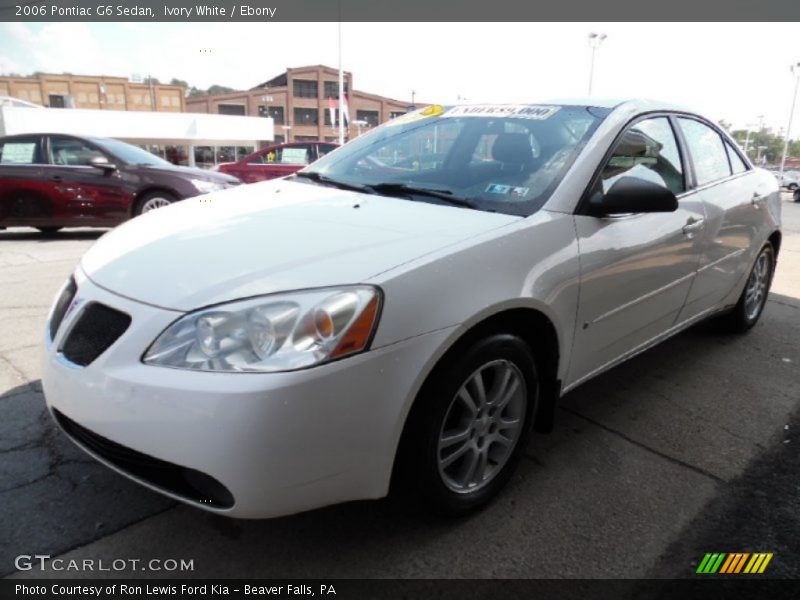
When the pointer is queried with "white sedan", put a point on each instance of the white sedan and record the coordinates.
(416, 302)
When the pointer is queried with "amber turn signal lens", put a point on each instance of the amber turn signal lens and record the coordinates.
(358, 336)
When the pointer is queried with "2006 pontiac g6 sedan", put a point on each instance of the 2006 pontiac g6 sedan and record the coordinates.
(415, 302)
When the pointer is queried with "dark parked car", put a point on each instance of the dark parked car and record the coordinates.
(50, 181)
(276, 161)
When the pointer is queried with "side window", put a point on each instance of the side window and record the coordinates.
(707, 150)
(649, 151)
(270, 157)
(21, 151)
(737, 164)
(71, 152)
(295, 155)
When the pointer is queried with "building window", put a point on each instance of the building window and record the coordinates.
(276, 112)
(306, 116)
(280, 139)
(332, 89)
(305, 138)
(305, 88)
(56, 101)
(231, 109)
(370, 116)
(395, 114)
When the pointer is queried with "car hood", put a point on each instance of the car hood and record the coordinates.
(192, 172)
(270, 237)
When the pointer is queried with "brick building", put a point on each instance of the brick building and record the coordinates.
(298, 102)
(94, 92)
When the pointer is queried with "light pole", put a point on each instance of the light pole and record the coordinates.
(595, 39)
(795, 68)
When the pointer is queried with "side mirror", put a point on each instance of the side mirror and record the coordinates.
(632, 195)
(101, 162)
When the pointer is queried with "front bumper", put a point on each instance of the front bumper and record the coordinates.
(280, 443)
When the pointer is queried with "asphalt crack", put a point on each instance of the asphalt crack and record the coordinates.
(630, 440)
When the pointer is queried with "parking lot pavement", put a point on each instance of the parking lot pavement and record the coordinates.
(638, 455)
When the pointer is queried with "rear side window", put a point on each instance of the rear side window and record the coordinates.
(649, 151)
(707, 150)
(19, 152)
(737, 164)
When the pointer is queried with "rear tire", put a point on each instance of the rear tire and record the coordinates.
(754, 296)
(471, 423)
(152, 201)
(797, 195)
(49, 230)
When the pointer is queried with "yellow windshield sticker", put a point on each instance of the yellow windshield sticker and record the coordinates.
(434, 110)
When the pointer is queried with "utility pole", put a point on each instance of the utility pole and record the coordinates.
(595, 39)
(795, 68)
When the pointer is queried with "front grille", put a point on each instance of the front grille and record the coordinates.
(187, 483)
(62, 304)
(96, 329)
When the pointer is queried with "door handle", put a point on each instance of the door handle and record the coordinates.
(57, 178)
(693, 224)
(757, 200)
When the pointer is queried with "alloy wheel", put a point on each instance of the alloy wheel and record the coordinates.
(482, 426)
(756, 290)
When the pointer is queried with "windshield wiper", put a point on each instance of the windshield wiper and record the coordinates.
(404, 188)
(324, 179)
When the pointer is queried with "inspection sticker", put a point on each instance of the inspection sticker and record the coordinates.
(499, 188)
(519, 111)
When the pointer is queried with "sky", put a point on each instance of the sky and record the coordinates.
(732, 71)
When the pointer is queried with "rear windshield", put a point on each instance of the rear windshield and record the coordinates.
(504, 158)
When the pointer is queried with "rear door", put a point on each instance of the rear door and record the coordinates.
(25, 196)
(88, 195)
(636, 269)
(734, 200)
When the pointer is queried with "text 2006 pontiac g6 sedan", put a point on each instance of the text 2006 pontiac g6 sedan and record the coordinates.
(417, 300)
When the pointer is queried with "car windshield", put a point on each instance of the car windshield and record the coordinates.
(499, 158)
(131, 154)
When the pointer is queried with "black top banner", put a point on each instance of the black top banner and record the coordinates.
(405, 11)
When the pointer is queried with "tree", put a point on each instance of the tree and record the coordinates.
(219, 89)
(151, 80)
(181, 82)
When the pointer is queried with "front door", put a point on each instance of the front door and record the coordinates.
(636, 270)
(84, 193)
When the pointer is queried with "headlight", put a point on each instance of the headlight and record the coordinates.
(283, 332)
(206, 187)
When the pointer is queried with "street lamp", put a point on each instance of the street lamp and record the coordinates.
(795, 68)
(595, 39)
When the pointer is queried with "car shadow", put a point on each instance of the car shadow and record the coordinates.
(20, 235)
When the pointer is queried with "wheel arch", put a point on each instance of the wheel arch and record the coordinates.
(536, 329)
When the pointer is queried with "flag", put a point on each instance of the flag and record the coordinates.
(345, 110)
(332, 110)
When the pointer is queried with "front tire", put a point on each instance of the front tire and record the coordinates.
(797, 195)
(472, 424)
(152, 201)
(754, 296)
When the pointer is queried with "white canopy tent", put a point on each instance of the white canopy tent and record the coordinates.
(190, 129)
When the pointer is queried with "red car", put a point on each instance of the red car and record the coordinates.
(50, 181)
(276, 161)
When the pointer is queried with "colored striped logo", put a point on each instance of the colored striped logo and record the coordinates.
(735, 562)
